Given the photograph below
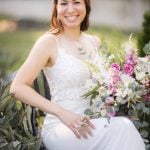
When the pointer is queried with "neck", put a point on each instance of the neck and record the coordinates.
(72, 34)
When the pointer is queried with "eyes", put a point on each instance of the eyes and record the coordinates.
(66, 3)
(63, 4)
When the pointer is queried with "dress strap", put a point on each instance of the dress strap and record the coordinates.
(95, 45)
(55, 38)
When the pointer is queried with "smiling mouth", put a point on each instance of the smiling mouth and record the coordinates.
(72, 18)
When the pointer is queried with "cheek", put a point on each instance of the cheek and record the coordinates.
(83, 12)
(60, 12)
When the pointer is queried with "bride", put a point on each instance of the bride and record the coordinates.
(61, 53)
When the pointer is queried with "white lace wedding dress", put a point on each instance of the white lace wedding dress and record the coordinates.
(66, 80)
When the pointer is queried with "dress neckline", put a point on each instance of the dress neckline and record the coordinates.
(79, 60)
(62, 50)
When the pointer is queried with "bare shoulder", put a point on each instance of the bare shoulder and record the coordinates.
(44, 50)
(46, 43)
(94, 39)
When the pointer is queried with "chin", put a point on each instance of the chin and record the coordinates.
(72, 25)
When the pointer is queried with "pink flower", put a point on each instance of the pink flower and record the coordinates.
(113, 88)
(131, 59)
(128, 69)
(115, 66)
(114, 73)
(114, 77)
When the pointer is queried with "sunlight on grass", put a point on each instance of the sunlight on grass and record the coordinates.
(18, 44)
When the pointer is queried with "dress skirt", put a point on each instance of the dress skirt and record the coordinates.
(119, 134)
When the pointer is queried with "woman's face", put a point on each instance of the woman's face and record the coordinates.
(71, 12)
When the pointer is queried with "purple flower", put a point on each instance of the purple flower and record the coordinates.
(128, 69)
(114, 77)
(131, 58)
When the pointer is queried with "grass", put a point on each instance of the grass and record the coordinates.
(17, 44)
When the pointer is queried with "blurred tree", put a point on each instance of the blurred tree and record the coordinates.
(144, 36)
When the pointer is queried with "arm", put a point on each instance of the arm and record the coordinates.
(42, 51)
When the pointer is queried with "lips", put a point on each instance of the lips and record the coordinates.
(72, 18)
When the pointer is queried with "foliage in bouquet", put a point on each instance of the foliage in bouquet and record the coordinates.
(121, 89)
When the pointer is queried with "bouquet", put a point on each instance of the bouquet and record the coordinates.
(121, 89)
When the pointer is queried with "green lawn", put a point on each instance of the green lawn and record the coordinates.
(17, 44)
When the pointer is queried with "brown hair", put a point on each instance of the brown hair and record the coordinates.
(56, 25)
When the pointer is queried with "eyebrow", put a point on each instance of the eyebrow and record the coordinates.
(64, 0)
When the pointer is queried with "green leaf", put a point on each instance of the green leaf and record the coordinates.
(91, 91)
(88, 112)
(15, 124)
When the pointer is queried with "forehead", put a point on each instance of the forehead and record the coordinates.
(68, 0)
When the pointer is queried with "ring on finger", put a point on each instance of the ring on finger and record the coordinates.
(76, 126)
(84, 124)
(85, 120)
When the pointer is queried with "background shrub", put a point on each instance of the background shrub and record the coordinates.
(144, 36)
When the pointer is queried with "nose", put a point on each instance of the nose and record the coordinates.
(70, 8)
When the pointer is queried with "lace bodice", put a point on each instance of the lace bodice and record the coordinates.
(67, 79)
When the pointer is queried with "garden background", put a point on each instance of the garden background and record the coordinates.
(23, 21)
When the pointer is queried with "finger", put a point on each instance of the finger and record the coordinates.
(88, 130)
(82, 132)
(80, 127)
(86, 127)
(91, 124)
(86, 119)
(75, 131)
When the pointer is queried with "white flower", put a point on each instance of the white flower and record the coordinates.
(140, 75)
(143, 65)
(121, 100)
(89, 84)
(106, 76)
(126, 79)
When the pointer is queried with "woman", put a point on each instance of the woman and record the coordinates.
(61, 54)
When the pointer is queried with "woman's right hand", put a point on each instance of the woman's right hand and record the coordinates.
(80, 125)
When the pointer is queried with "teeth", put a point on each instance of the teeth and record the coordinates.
(71, 18)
